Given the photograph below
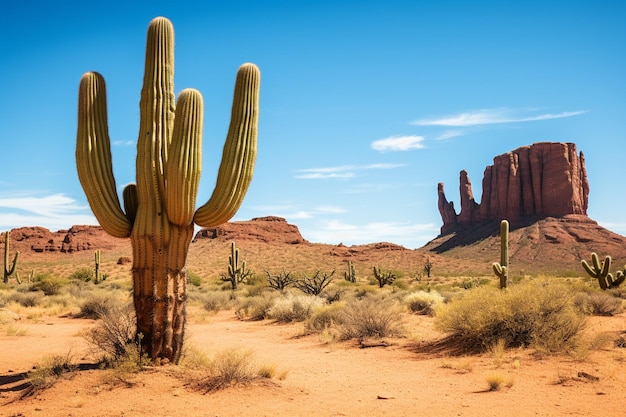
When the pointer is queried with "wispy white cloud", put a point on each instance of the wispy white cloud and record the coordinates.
(398, 143)
(492, 116)
(342, 171)
(124, 143)
(292, 212)
(54, 212)
(335, 232)
(449, 134)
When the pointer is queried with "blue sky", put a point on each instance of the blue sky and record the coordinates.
(365, 105)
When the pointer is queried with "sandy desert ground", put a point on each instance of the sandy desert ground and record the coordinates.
(317, 377)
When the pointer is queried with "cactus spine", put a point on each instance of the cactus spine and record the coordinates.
(9, 270)
(502, 269)
(600, 271)
(159, 210)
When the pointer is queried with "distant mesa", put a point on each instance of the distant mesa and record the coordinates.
(543, 191)
(270, 229)
(546, 179)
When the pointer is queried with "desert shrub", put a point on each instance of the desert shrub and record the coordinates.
(194, 279)
(28, 299)
(48, 284)
(371, 317)
(256, 307)
(83, 274)
(280, 281)
(114, 333)
(600, 303)
(294, 307)
(422, 302)
(325, 317)
(48, 371)
(314, 285)
(96, 306)
(228, 368)
(215, 301)
(540, 314)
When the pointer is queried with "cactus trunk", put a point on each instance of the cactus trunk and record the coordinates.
(159, 211)
(9, 270)
(502, 269)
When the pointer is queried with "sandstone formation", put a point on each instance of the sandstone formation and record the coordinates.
(546, 179)
(270, 229)
(74, 239)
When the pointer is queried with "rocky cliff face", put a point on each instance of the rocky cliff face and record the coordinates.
(545, 179)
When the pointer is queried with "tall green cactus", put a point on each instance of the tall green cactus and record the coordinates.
(159, 211)
(96, 256)
(237, 272)
(600, 271)
(9, 270)
(502, 269)
(350, 275)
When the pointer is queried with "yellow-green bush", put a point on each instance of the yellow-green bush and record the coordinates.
(541, 314)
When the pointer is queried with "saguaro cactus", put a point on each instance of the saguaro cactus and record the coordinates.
(502, 269)
(600, 271)
(158, 213)
(237, 272)
(9, 270)
(96, 256)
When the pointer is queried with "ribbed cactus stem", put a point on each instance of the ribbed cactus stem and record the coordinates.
(9, 268)
(502, 269)
(159, 210)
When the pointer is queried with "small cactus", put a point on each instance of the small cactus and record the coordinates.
(9, 270)
(600, 271)
(428, 266)
(350, 275)
(502, 269)
(97, 266)
(237, 273)
(384, 278)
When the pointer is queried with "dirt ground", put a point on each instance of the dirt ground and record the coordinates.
(318, 377)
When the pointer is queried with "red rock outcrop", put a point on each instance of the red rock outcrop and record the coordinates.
(270, 229)
(546, 179)
(75, 239)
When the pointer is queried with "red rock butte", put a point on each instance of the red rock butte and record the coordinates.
(546, 179)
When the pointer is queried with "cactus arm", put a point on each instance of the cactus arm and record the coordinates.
(239, 154)
(93, 156)
(184, 163)
(619, 279)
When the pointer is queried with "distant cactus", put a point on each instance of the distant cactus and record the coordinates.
(237, 272)
(428, 266)
(350, 275)
(97, 266)
(9, 270)
(384, 278)
(502, 269)
(600, 271)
